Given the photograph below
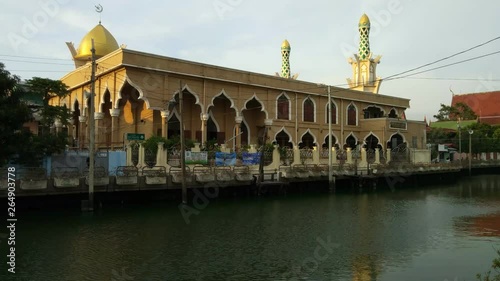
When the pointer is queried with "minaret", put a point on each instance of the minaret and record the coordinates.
(363, 65)
(285, 59)
(285, 62)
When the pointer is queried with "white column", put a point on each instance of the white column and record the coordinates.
(204, 118)
(115, 113)
(164, 123)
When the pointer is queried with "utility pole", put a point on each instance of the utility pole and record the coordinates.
(330, 145)
(262, 151)
(183, 164)
(92, 133)
(470, 152)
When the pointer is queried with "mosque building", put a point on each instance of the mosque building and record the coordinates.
(138, 92)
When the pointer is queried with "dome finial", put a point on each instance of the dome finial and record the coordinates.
(99, 9)
(364, 20)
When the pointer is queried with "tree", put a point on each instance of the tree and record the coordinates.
(47, 89)
(453, 113)
(13, 114)
(18, 144)
(464, 112)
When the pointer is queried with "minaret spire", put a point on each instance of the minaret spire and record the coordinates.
(363, 65)
(285, 59)
(364, 37)
(285, 62)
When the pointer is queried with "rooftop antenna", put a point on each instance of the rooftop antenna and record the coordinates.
(99, 9)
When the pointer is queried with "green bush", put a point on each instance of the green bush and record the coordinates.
(495, 266)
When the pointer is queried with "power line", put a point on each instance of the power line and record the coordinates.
(36, 58)
(36, 62)
(25, 70)
(457, 79)
(443, 66)
(445, 58)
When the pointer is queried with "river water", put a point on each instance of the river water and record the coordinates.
(440, 232)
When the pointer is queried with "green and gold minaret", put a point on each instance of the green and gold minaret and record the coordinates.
(364, 37)
(285, 59)
(285, 62)
(363, 65)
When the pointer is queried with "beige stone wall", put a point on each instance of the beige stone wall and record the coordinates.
(141, 85)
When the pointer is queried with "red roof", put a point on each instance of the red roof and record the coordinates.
(485, 105)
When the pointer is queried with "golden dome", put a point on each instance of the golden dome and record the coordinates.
(364, 20)
(104, 43)
(285, 45)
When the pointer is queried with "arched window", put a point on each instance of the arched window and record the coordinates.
(373, 112)
(352, 118)
(283, 139)
(307, 141)
(351, 142)
(283, 108)
(308, 110)
(393, 114)
(334, 113)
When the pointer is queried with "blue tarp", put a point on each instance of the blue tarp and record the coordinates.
(225, 159)
(251, 158)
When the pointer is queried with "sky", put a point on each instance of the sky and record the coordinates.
(247, 35)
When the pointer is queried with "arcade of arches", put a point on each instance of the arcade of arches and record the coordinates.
(228, 106)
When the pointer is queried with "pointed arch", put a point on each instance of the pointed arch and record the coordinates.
(86, 96)
(368, 140)
(308, 131)
(75, 103)
(398, 133)
(373, 111)
(283, 107)
(104, 100)
(393, 113)
(196, 96)
(309, 110)
(325, 139)
(335, 112)
(126, 81)
(118, 96)
(352, 114)
(211, 116)
(247, 139)
(351, 140)
(284, 130)
(139, 90)
(263, 109)
(223, 93)
(173, 113)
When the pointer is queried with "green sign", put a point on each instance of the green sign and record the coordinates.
(138, 137)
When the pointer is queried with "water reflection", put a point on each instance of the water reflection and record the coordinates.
(410, 234)
(482, 225)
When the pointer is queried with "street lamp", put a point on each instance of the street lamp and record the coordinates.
(470, 151)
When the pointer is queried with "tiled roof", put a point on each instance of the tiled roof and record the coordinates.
(485, 105)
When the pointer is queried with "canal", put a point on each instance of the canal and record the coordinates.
(440, 232)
